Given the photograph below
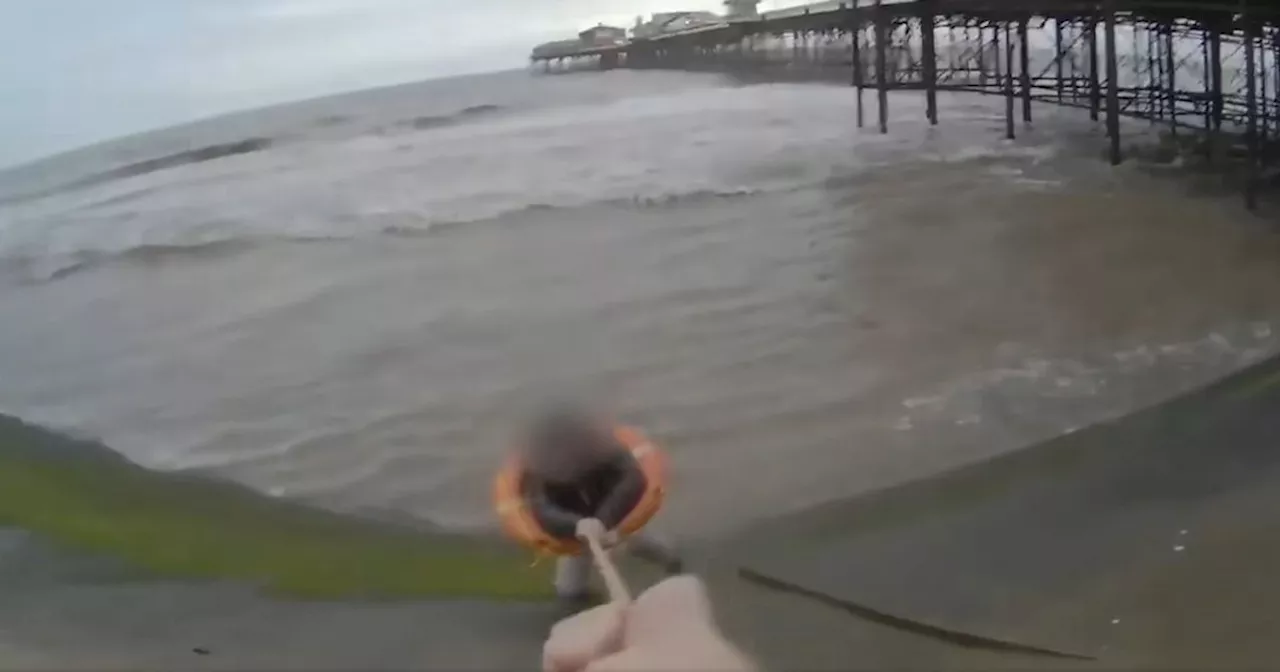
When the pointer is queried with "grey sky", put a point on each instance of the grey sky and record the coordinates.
(79, 71)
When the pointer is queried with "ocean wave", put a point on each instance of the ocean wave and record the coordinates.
(41, 269)
(36, 268)
(152, 165)
(694, 196)
(198, 155)
(633, 202)
(330, 120)
(247, 145)
(120, 199)
(1037, 153)
(426, 122)
(1085, 389)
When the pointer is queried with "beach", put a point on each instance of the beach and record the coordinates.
(346, 302)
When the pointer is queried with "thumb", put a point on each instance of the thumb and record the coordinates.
(581, 638)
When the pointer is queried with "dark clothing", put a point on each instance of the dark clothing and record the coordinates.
(607, 490)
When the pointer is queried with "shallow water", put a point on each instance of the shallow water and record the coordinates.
(795, 308)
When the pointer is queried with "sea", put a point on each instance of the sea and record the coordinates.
(353, 301)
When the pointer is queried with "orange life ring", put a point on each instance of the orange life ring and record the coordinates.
(520, 524)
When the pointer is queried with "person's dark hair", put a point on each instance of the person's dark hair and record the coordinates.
(563, 442)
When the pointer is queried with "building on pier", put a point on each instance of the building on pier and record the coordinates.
(601, 35)
(667, 23)
(594, 38)
(741, 10)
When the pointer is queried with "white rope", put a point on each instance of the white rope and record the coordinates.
(618, 591)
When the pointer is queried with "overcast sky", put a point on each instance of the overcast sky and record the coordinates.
(74, 72)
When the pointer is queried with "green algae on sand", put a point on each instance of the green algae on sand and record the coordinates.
(82, 496)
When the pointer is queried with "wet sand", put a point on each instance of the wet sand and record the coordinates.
(1144, 542)
(173, 625)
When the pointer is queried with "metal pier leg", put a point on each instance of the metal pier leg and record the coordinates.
(1008, 81)
(1261, 45)
(1025, 65)
(1155, 52)
(982, 59)
(1215, 65)
(882, 85)
(930, 56)
(856, 27)
(1251, 102)
(1275, 61)
(1113, 81)
(1095, 86)
(1057, 54)
(1170, 68)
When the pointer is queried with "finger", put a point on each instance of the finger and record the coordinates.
(584, 637)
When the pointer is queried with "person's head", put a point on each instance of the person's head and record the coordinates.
(563, 442)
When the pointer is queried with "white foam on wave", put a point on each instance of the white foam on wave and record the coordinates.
(1145, 372)
(653, 149)
(1036, 153)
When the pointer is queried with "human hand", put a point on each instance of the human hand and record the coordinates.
(668, 628)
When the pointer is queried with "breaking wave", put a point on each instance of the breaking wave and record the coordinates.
(39, 268)
(427, 122)
(199, 155)
(56, 267)
(165, 162)
(249, 145)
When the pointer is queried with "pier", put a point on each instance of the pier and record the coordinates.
(1207, 71)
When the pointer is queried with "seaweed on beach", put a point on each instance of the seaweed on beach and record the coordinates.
(83, 497)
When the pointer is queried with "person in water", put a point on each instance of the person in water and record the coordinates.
(581, 480)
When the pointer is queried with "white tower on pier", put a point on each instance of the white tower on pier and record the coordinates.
(741, 9)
